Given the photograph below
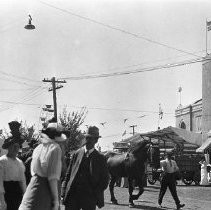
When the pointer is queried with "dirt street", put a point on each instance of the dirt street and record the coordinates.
(194, 197)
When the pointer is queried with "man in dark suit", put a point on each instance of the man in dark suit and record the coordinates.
(87, 176)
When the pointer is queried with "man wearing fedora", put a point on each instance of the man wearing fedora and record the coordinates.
(87, 176)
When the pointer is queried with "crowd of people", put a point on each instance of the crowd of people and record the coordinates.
(36, 185)
(83, 184)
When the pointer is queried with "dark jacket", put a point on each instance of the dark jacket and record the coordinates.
(98, 171)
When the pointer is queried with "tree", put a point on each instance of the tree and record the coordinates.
(71, 123)
(29, 133)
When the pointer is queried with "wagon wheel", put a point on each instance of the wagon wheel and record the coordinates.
(150, 179)
(187, 181)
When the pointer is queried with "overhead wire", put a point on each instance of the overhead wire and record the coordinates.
(11, 89)
(118, 29)
(19, 82)
(19, 77)
(144, 63)
(141, 70)
(25, 98)
(117, 109)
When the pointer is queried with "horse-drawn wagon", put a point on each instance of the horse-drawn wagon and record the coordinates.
(189, 168)
(184, 144)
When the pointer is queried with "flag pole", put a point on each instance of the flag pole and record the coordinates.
(159, 117)
(206, 36)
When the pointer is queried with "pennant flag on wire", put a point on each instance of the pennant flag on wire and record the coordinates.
(125, 120)
(208, 25)
(103, 124)
(160, 112)
(124, 133)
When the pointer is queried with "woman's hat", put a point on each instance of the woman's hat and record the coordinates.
(51, 132)
(92, 131)
(11, 140)
(14, 125)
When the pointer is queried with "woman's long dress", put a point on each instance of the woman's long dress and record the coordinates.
(204, 174)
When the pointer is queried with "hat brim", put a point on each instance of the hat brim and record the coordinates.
(8, 142)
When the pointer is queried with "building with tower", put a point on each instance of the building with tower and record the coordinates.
(196, 117)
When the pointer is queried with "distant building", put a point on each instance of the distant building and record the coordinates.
(196, 117)
(190, 117)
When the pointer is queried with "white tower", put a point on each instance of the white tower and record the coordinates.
(206, 97)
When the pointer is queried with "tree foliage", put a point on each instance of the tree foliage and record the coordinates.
(28, 132)
(71, 121)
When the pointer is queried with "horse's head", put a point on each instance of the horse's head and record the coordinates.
(141, 150)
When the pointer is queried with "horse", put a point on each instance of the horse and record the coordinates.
(130, 165)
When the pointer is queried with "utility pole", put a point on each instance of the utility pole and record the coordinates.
(133, 126)
(54, 88)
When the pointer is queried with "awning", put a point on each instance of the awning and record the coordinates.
(176, 135)
(171, 134)
(204, 146)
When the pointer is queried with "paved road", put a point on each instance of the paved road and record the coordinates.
(195, 198)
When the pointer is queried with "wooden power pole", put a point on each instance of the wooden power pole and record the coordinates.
(54, 88)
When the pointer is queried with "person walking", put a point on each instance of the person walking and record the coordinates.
(169, 167)
(204, 172)
(42, 192)
(87, 176)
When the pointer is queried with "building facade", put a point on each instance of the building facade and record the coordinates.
(190, 117)
(196, 117)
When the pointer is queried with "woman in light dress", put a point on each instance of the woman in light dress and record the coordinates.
(204, 173)
(12, 177)
(42, 192)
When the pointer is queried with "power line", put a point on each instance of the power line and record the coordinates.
(19, 77)
(146, 69)
(145, 63)
(124, 110)
(24, 89)
(34, 93)
(25, 97)
(95, 108)
(117, 29)
(18, 103)
(19, 82)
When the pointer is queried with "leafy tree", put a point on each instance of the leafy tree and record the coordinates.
(71, 121)
(28, 133)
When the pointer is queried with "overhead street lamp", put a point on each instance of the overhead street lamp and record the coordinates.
(29, 26)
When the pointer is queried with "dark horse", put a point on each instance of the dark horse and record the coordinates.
(130, 165)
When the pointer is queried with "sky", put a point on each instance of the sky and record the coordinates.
(79, 38)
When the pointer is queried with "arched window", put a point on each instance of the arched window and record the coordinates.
(182, 125)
